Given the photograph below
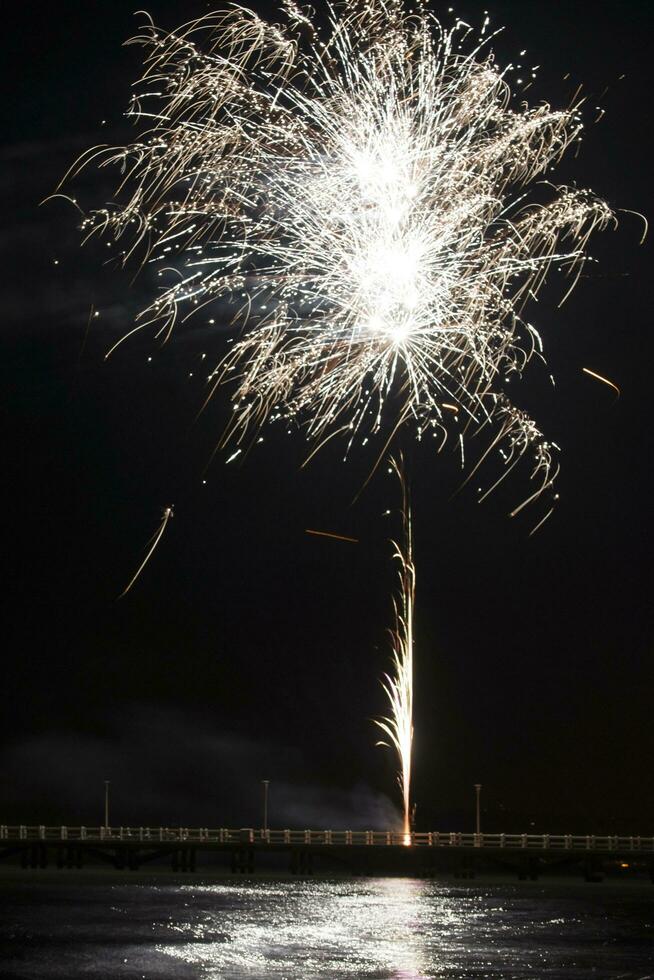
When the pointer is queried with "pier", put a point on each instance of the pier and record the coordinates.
(305, 852)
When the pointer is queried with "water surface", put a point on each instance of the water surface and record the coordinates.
(64, 928)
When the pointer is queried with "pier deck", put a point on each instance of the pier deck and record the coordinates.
(305, 851)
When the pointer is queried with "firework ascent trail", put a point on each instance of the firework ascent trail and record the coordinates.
(365, 196)
(350, 192)
(398, 685)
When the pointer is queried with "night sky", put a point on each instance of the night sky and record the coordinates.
(248, 649)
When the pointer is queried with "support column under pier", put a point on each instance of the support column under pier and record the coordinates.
(184, 859)
(69, 856)
(34, 856)
(466, 868)
(593, 870)
(529, 868)
(243, 860)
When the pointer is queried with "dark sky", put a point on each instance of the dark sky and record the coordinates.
(247, 649)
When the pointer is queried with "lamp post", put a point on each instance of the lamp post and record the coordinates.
(266, 784)
(478, 822)
(106, 804)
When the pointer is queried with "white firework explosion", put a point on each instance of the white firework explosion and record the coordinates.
(353, 194)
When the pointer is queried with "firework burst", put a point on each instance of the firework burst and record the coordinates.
(352, 196)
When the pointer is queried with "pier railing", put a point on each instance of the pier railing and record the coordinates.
(372, 838)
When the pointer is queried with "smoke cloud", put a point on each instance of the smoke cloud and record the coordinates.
(167, 769)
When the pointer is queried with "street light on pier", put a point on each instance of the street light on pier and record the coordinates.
(265, 783)
(478, 821)
(106, 804)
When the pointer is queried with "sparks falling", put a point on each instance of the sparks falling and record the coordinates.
(353, 198)
(398, 685)
(151, 546)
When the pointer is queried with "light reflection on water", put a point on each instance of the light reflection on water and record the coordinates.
(304, 929)
(311, 929)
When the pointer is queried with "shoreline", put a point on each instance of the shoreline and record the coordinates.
(98, 875)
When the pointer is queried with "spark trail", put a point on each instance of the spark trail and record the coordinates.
(330, 534)
(366, 199)
(600, 377)
(398, 685)
(152, 544)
